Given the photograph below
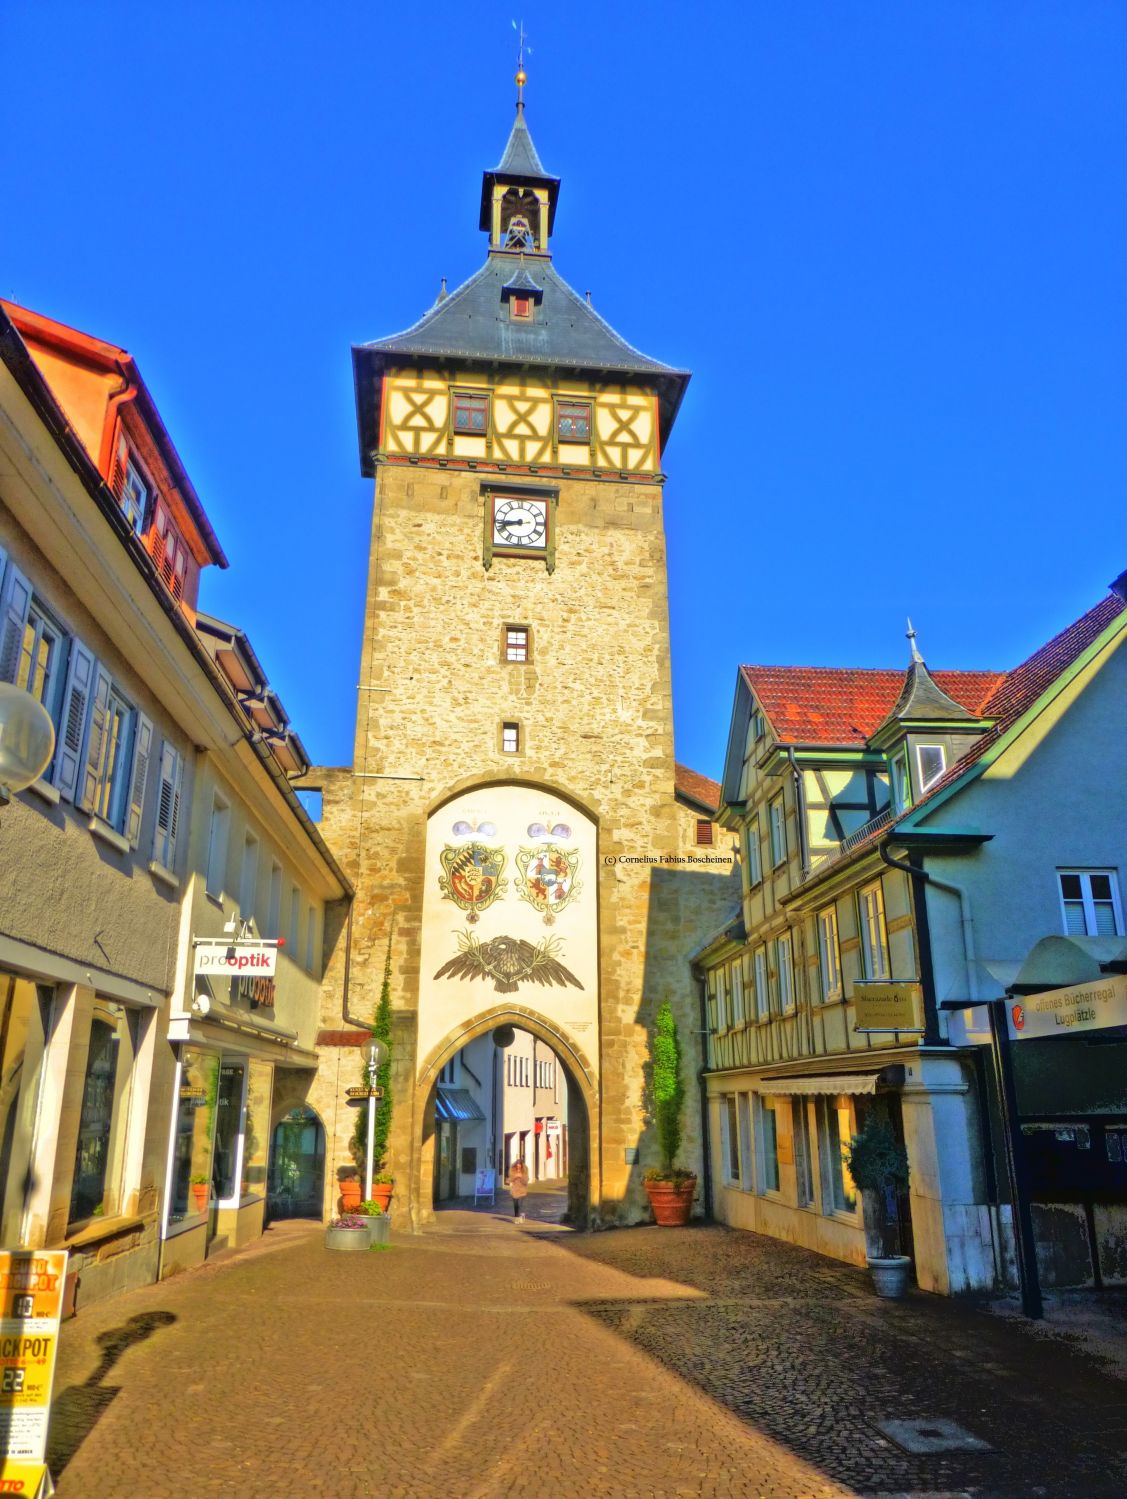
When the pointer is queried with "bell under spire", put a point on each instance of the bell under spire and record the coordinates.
(518, 197)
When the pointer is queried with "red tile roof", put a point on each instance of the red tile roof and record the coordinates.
(844, 705)
(696, 787)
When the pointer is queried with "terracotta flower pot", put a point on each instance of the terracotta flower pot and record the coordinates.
(350, 1194)
(381, 1193)
(201, 1193)
(671, 1201)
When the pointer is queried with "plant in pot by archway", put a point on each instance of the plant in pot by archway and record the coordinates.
(200, 1188)
(878, 1164)
(383, 1183)
(351, 1188)
(669, 1187)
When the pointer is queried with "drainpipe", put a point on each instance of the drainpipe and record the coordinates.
(702, 1080)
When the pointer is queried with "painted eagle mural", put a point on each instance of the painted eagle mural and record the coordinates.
(509, 962)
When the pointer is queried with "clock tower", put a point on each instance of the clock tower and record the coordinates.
(510, 820)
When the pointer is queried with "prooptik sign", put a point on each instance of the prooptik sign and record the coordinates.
(237, 959)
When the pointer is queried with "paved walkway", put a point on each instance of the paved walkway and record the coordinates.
(486, 1358)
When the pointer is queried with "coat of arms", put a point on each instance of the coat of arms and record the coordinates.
(473, 876)
(547, 878)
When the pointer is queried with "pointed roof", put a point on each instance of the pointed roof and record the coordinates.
(520, 281)
(472, 326)
(922, 699)
(519, 164)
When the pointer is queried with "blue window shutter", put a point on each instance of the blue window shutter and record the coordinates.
(72, 720)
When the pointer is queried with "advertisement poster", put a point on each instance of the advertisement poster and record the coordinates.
(31, 1304)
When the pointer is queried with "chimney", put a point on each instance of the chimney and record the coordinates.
(1118, 586)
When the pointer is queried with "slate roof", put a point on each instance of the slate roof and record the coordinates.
(845, 705)
(700, 789)
(521, 164)
(921, 697)
(472, 324)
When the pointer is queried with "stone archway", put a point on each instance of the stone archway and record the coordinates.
(583, 1107)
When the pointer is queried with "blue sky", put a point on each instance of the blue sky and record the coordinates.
(888, 239)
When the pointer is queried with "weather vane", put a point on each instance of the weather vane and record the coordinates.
(521, 76)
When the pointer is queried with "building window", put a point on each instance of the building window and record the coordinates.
(310, 939)
(25, 1018)
(471, 413)
(295, 919)
(516, 647)
(274, 912)
(704, 832)
(829, 953)
(41, 668)
(217, 847)
(573, 421)
(520, 309)
(778, 832)
(134, 497)
(784, 970)
(751, 849)
(510, 738)
(767, 1142)
(746, 1162)
(108, 755)
(874, 934)
(836, 1131)
(738, 1016)
(803, 1170)
(758, 724)
(931, 762)
(731, 1141)
(191, 1149)
(100, 1152)
(248, 880)
(1090, 903)
(762, 993)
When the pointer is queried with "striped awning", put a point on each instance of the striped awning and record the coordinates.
(456, 1104)
(830, 1082)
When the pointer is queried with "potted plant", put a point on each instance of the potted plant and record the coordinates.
(383, 1183)
(669, 1187)
(377, 1219)
(348, 1180)
(349, 1231)
(878, 1164)
(200, 1188)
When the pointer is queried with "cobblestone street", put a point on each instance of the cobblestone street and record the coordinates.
(489, 1358)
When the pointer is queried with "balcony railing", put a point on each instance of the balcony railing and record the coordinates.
(853, 840)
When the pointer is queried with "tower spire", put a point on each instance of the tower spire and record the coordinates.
(521, 76)
(911, 634)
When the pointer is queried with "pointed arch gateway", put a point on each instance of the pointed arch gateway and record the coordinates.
(582, 1104)
(510, 929)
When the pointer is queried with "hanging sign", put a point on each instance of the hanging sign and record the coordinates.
(887, 1007)
(236, 959)
(1063, 1012)
(31, 1305)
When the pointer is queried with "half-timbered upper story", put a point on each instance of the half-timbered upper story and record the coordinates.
(109, 407)
(515, 373)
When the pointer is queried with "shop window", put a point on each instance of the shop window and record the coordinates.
(191, 1146)
(767, 1143)
(803, 1166)
(731, 1141)
(835, 1125)
(100, 1153)
(297, 1166)
(225, 1171)
(24, 1022)
(573, 421)
(471, 413)
(744, 1111)
(256, 1130)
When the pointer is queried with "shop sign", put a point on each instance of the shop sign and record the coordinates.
(31, 1304)
(887, 1007)
(236, 959)
(1061, 1012)
(361, 1092)
(259, 992)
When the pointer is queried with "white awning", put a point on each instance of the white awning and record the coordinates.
(831, 1082)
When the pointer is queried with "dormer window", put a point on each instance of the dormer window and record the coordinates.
(170, 553)
(134, 497)
(931, 762)
(901, 783)
(520, 309)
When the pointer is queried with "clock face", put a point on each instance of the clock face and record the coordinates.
(519, 523)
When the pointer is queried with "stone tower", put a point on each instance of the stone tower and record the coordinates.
(514, 733)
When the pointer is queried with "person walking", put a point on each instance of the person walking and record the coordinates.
(518, 1187)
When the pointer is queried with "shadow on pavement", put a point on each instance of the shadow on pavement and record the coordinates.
(79, 1408)
(799, 1347)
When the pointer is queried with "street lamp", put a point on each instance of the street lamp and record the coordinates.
(27, 740)
(374, 1055)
